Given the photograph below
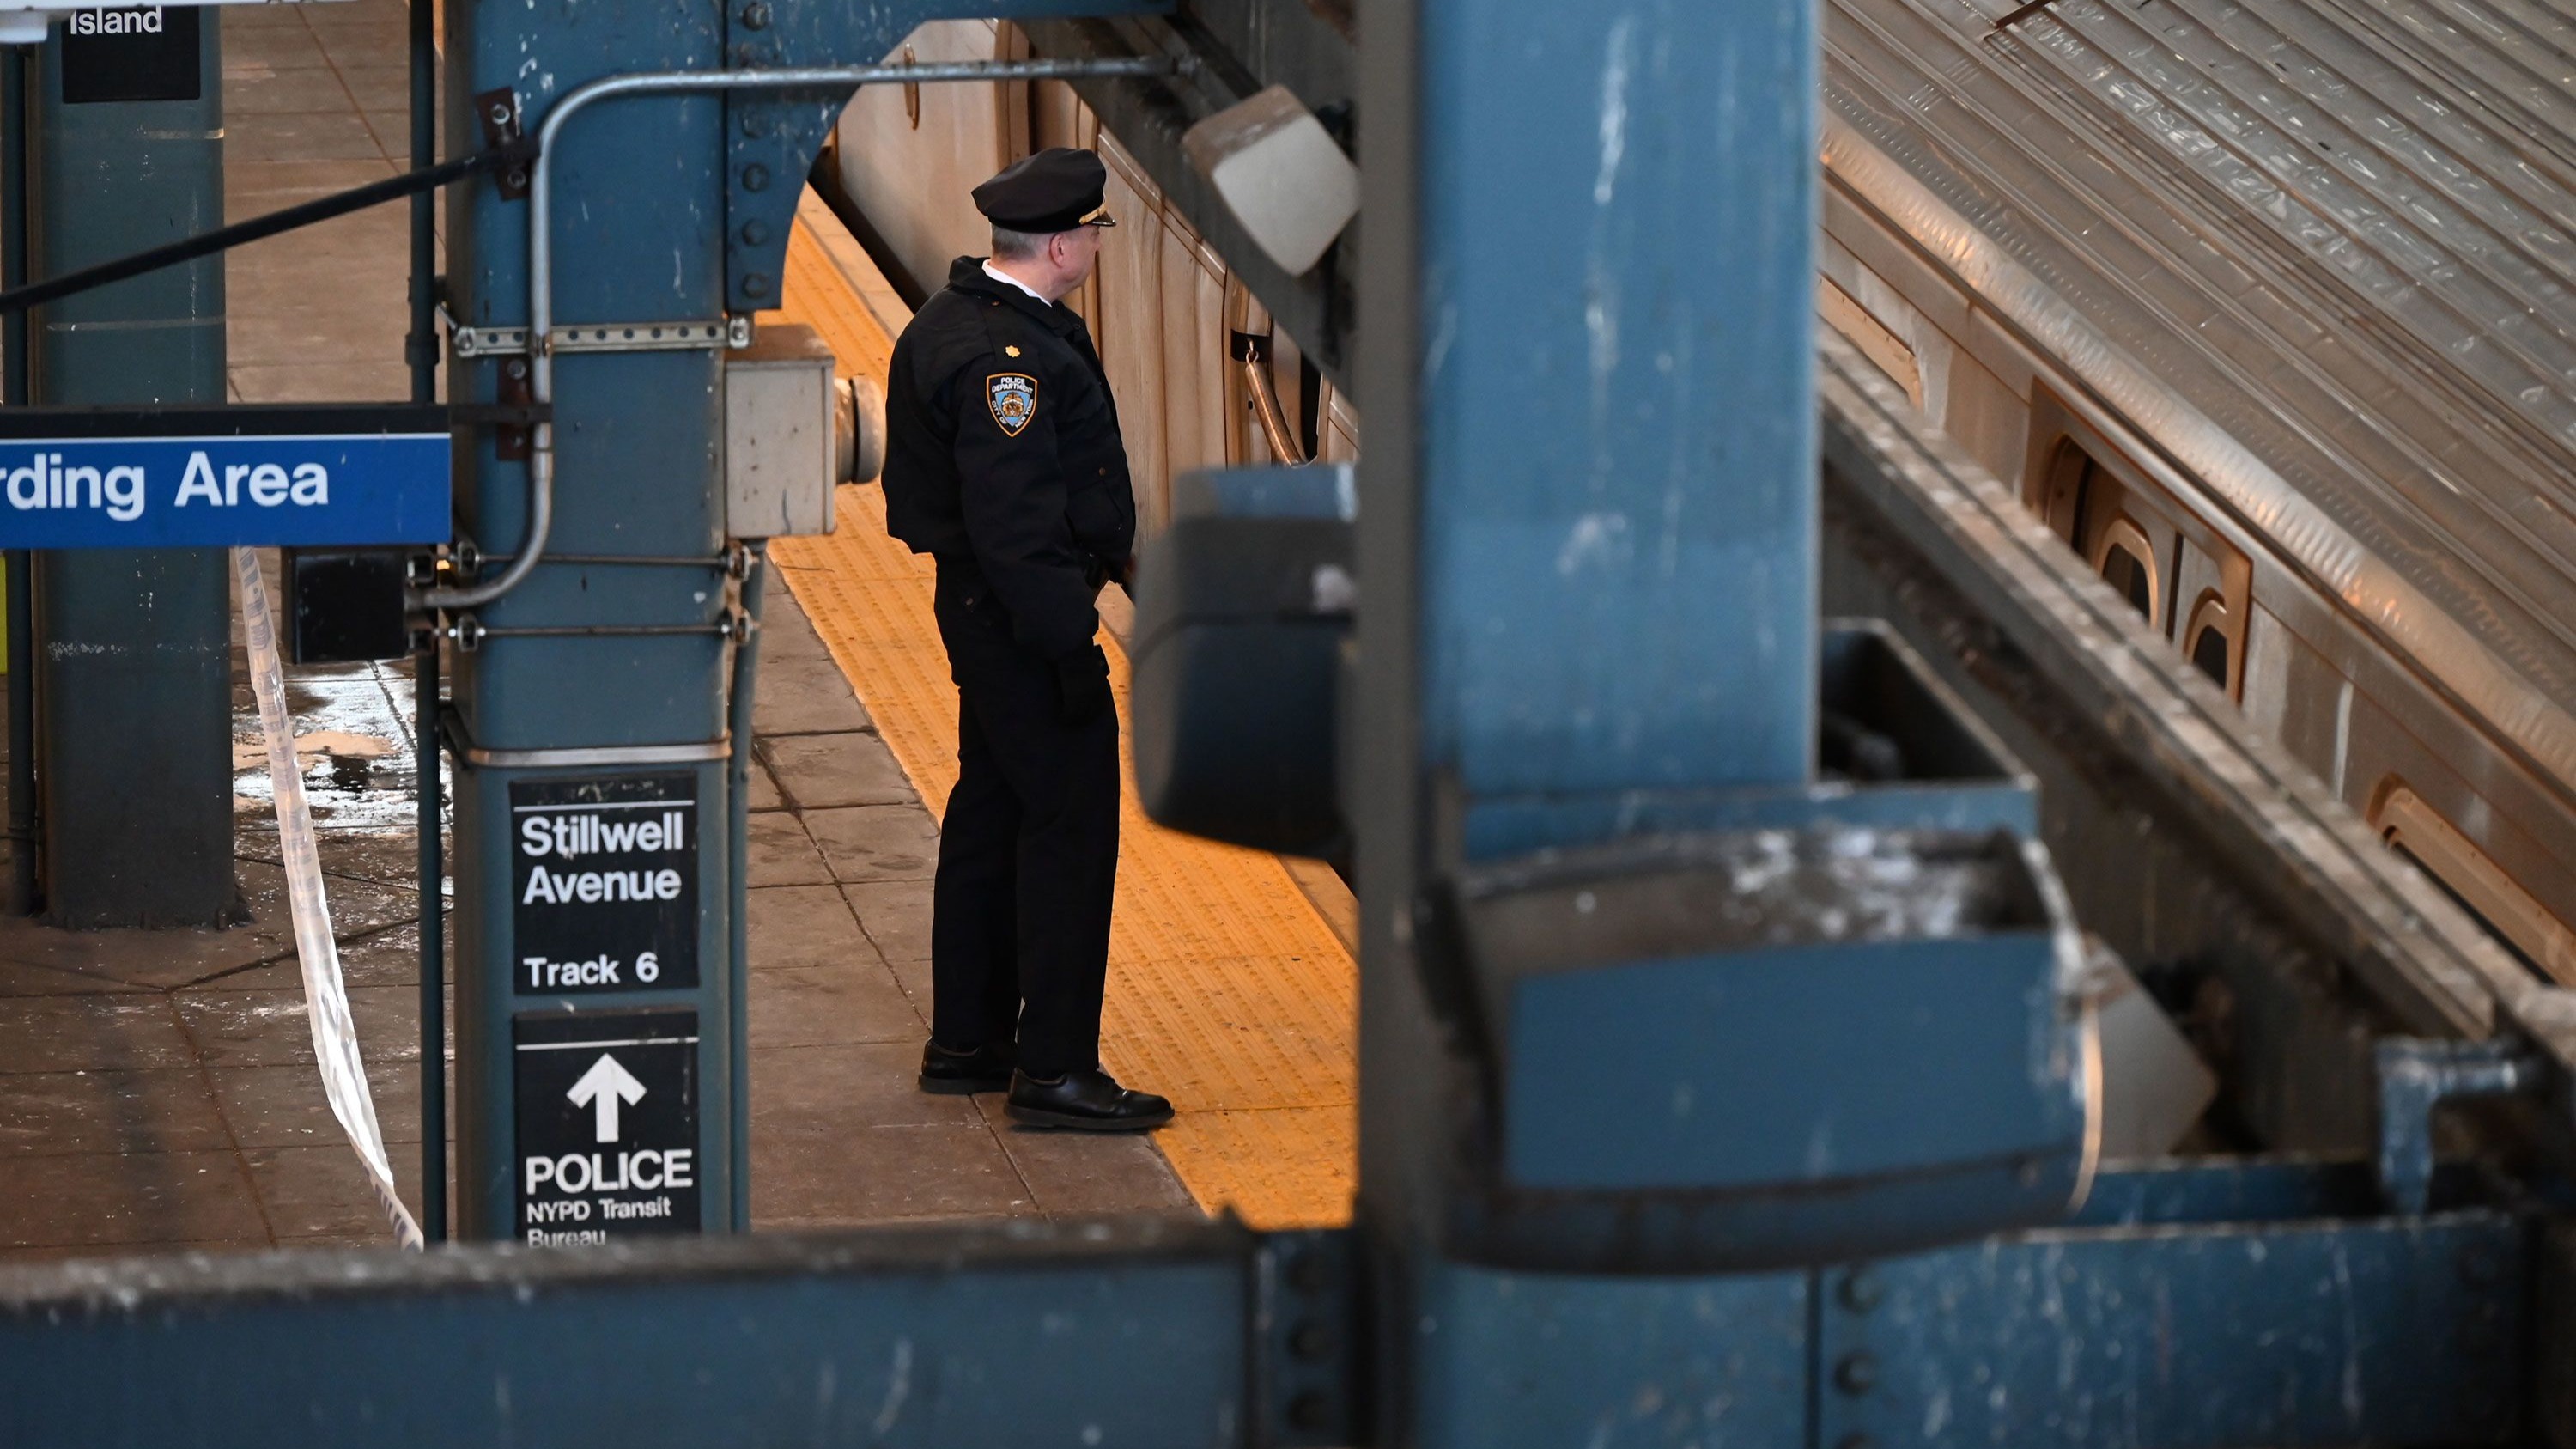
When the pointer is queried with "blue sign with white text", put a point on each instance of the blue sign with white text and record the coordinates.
(242, 485)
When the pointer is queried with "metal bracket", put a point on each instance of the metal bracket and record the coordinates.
(460, 743)
(469, 634)
(1305, 1322)
(470, 342)
(726, 332)
(497, 112)
(499, 415)
(2417, 1075)
(510, 442)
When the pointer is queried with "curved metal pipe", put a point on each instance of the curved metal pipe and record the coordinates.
(541, 453)
(541, 521)
(1265, 407)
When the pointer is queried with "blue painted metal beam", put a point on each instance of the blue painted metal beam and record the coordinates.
(2217, 1304)
(1617, 397)
(1587, 509)
(2318, 1332)
(1564, 1359)
(1080, 1335)
(1589, 624)
(639, 448)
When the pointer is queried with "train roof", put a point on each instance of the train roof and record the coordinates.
(2320, 253)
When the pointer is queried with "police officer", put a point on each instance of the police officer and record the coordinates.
(1003, 462)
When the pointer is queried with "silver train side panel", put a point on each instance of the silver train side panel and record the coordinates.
(2197, 850)
(2348, 357)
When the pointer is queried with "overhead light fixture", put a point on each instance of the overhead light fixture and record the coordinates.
(1280, 173)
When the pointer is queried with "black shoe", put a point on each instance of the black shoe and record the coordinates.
(1089, 1101)
(955, 1073)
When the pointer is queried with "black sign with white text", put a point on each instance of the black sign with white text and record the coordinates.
(148, 53)
(603, 884)
(607, 1124)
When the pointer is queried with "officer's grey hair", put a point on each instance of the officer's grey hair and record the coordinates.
(1015, 246)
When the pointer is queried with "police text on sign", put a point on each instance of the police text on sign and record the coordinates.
(607, 1108)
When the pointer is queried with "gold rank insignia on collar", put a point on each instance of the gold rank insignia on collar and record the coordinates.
(1010, 349)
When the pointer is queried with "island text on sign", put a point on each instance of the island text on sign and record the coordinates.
(146, 53)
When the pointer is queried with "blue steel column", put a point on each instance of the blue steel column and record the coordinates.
(650, 193)
(1589, 532)
(639, 447)
(1588, 549)
(134, 679)
(1617, 456)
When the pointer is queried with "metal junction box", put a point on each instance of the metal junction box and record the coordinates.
(346, 604)
(782, 449)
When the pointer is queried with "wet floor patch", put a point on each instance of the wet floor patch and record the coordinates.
(353, 741)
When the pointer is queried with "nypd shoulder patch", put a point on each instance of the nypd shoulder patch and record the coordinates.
(1013, 396)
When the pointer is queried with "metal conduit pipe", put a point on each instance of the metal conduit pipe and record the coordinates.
(724, 562)
(541, 452)
(429, 798)
(470, 638)
(746, 658)
(541, 521)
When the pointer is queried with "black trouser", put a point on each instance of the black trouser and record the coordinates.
(1028, 853)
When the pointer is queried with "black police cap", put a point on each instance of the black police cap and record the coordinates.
(1055, 190)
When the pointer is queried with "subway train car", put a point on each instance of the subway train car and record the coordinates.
(2266, 308)
(1202, 377)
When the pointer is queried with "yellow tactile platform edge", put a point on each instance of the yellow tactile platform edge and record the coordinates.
(1227, 991)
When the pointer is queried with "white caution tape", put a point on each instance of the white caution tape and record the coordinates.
(326, 998)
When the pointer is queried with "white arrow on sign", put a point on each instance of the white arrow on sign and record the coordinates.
(602, 1088)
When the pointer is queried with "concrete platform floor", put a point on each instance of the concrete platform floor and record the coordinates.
(157, 1089)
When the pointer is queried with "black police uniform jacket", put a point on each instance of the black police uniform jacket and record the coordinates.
(1002, 448)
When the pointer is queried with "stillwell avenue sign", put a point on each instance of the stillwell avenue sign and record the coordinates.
(223, 477)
